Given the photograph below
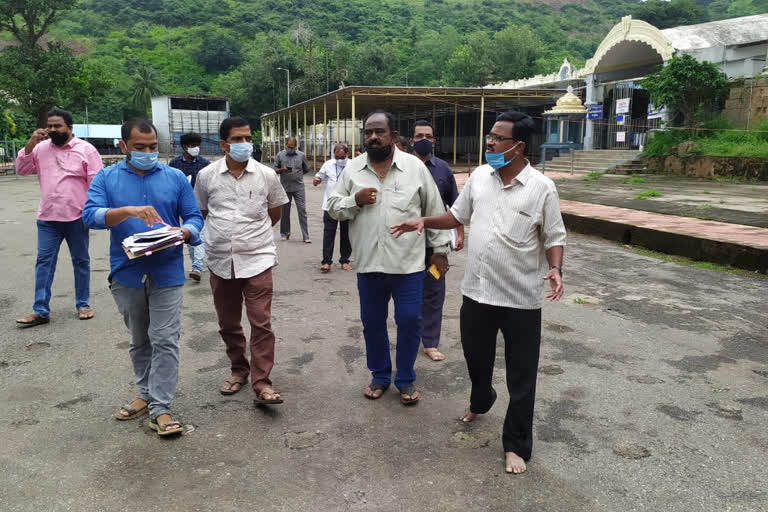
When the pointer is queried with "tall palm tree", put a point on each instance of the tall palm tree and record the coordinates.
(147, 84)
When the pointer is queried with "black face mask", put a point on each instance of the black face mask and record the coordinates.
(378, 153)
(59, 138)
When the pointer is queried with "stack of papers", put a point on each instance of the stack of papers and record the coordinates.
(144, 244)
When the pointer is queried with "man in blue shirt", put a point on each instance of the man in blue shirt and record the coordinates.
(190, 163)
(130, 197)
(433, 296)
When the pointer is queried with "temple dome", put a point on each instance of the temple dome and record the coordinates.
(568, 103)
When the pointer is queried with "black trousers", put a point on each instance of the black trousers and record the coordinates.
(329, 237)
(521, 328)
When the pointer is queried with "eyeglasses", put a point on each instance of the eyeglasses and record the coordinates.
(493, 138)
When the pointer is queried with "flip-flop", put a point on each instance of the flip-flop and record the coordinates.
(132, 413)
(85, 313)
(375, 386)
(233, 381)
(32, 320)
(272, 401)
(166, 429)
(410, 391)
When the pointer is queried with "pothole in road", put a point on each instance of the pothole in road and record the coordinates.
(302, 440)
(631, 451)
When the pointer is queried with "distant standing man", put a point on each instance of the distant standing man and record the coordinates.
(65, 166)
(291, 164)
(377, 190)
(423, 143)
(241, 200)
(330, 173)
(130, 197)
(190, 162)
(517, 237)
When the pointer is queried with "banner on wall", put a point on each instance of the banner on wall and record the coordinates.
(653, 112)
(595, 112)
(622, 106)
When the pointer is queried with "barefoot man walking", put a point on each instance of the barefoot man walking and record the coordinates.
(516, 236)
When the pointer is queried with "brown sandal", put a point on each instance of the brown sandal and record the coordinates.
(32, 320)
(133, 412)
(166, 429)
(232, 385)
(260, 400)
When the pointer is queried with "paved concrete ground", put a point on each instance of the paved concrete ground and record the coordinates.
(651, 396)
(723, 200)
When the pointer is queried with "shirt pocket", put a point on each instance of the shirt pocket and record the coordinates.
(255, 205)
(518, 227)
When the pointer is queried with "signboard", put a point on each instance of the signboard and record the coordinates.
(620, 119)
(622, 106)
(621, 136)
(595, 112)
(653, 112)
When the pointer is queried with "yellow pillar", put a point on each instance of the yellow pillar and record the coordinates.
(297, 128)
(434, 116)
(354, 124)
(304, 131)
(455, 129)
(338, 121)
(325, 130)
(314, 138)
(482, 123)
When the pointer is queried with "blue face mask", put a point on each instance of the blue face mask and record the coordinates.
(143, 161)
(496, 160)
(240, 151)
(423, 147)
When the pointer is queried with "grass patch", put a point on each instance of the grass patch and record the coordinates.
(704, 206)
(651, 192)
(706, 192)
(594, 175)
(753, 189)
(687, 262)
(722, 201)
(633, 180)
(579, 300)
(713, 140)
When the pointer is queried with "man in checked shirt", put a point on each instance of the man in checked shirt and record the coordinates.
(516, 236)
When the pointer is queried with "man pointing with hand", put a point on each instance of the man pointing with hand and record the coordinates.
(516, 237)
(378, 189)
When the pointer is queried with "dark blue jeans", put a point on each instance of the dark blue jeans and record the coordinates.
(375, 290)
(50, 234)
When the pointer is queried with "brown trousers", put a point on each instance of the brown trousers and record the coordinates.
(228, 296)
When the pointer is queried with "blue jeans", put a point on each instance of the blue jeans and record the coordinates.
(375, 290)
(197, 255)
(153, 315)
(50, 234)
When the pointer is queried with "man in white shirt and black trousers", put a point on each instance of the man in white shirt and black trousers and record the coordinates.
(330, 173)
(516, 237)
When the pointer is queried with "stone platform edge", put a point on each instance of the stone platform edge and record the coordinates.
(678, 244)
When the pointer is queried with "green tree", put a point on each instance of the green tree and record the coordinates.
(663, 14)
(35, 74)
(146, 84)
(516, 50)
(472, 63)
(430, 54)
(29, 20)
(687, 86)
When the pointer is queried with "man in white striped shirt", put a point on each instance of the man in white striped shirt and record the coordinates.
(516, 232)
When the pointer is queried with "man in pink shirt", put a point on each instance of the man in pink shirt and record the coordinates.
(65, 166)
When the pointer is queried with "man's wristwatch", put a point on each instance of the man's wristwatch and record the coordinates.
(559, 269)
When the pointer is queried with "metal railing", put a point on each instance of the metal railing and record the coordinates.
(8, 151)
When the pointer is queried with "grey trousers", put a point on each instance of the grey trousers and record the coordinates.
(153, 316)
(301, 206)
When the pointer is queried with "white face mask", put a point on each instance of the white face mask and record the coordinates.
(193, 152)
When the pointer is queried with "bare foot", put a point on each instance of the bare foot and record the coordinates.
(514, 464)
(346, 266)
(434, 354)
(468, 416)
(373, 393)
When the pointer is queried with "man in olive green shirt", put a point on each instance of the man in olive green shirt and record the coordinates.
(377, 190)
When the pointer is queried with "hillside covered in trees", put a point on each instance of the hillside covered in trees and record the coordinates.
(233, 48)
